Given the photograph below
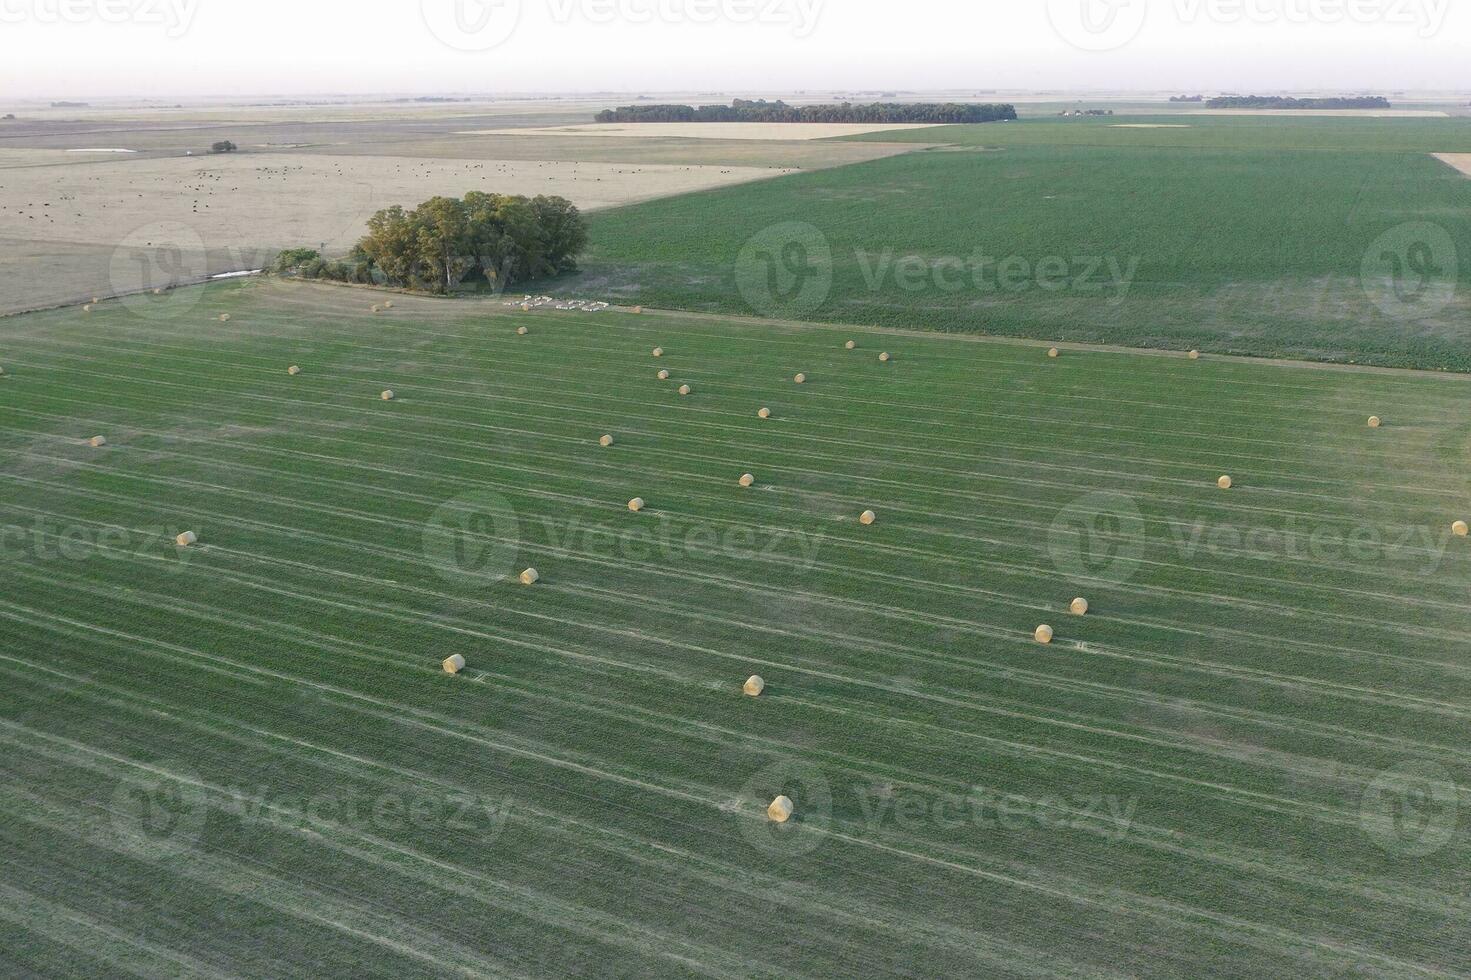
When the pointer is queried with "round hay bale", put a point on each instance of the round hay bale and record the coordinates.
(186, 539)
(1195, 355)
(530, 577)
(1054, 352)
(885, 357)
(522, 331)
(765, 413)
(658, 352)
(293, 370)
(685, 389)
(224, 318)
(801, 379)
(1079, 607)
(388, 304)
(97, 442)
(158, 292)
(780, 810)
(376, 308)
(2, 372)
(1225, 483)
(1044, 634)
(1459, 528)
(95, 300)
(663, 375)
(867, 518)
(636, 504)
(454, 664)
(606, 441)
(87, 309)
(754, 686)
(851, 345)
(388, 395)
(638, 309)
(747, 480)
(1375, 421)
(525, 307)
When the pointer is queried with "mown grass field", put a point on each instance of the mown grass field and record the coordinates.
(1260, 237)
(243, 758)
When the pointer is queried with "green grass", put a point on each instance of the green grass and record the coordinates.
(1270, 133)
(1235, 700)
(1237, 251)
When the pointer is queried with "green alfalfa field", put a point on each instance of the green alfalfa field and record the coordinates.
(244, 758)
(1327, 239)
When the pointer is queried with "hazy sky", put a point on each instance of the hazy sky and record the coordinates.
(183, 48)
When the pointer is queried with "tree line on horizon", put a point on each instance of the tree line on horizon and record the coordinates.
(1287, 102)
(492, 239)
(762, 111)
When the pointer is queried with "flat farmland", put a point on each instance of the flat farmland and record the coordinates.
(1261, 251)
(1235, 764)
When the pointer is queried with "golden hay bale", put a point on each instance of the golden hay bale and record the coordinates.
(1225, 483)
(886, 357)
(754, 686)
(636, 504)
(606, 441)
(525, 307)
(780, 810)
(1375, 422)
(97, 442)
(801, 379)
(293, 370)
(1080, 607)
(1054, 352)
(747, 480)
(2, 372)
(376, 308)
(867, 518)
(95, 300)
(454, 664)
(87, 309)
(388, 304)
(186, 539)
(522, 331)
(685, 389)
(530, 577)
(638, 309)
(851, 345)
(658, 352)
(1459, 528)
(1195, 355)
(388, 395)
(158, 292)
(224, 318)
(765, 413)
(663, 375)
(1044, 634)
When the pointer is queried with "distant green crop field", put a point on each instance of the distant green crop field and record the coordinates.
(1187, 131)
(1350, 256)
(243, 757)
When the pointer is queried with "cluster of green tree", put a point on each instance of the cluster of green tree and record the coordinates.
(491, 239)
(746, 110)
(1286, 102)
(223, 146)
(1187, 98)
